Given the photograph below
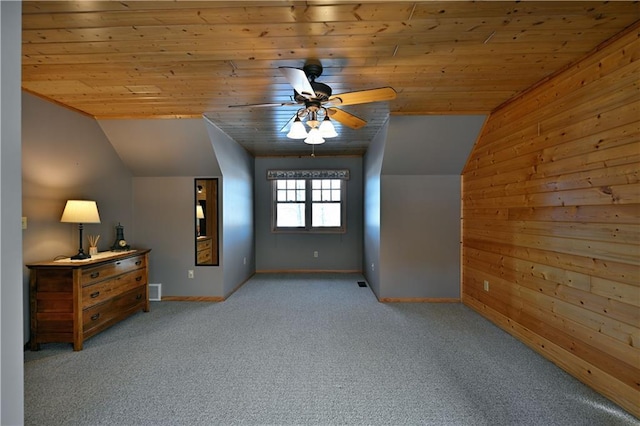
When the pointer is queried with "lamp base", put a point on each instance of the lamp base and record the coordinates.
(81, 255)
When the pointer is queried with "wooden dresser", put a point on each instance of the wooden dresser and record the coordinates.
(71, 301)
(203, 252)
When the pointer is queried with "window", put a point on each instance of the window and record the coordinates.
(291, 196)
(309, 204)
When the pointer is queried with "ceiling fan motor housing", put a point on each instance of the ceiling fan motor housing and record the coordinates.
(313, 69)
(321, 91)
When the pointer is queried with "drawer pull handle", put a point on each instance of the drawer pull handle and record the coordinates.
(95, 294)
(138, 297)
(139, 262)
(95, 317)
(138, 278)
(95, 275)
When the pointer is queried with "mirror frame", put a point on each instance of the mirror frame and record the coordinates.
(205, 192)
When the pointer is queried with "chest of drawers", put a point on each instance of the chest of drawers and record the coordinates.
(71, 301)
(203, 251)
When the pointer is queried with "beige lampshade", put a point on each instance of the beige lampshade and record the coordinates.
(80, 211)
(199, 212)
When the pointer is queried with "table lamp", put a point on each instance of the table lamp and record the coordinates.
(199, 215)
(80, 211)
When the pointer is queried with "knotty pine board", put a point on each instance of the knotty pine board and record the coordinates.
(551, 218)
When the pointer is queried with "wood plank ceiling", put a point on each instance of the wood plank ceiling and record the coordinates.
(129, 60)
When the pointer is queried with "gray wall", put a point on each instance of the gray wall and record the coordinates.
(371, 194)
(152, 147)
(164, 220)
(430, 144)
(165, 156)
(237, 255)
(11, 290)
(420, 237)
(412, 198)
(65, 155)
(294, 252)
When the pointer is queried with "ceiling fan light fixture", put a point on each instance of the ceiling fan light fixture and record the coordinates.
(327, 130)
(311, 96)
(314, 138)
(312, 114)
(297, 130)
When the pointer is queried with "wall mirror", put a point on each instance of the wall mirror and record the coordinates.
(206, 220)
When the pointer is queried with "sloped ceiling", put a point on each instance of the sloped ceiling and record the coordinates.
(179, 147)
(429, 145)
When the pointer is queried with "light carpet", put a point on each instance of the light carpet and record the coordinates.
(305, 349)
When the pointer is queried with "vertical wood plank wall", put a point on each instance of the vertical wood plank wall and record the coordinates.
(551, 219)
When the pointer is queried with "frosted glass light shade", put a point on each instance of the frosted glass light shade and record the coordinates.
(314, 138)
(327, 130)
(297, 130)
(80, 211)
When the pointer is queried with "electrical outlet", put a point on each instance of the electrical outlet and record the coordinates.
(244, 262)
(24, 222)
(190, 273)
(315, 254)
(372, 267)
(486, 285)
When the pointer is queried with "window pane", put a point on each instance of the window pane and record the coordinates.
(290, 215)
(325, 214)
(291, 203)
(290, 190)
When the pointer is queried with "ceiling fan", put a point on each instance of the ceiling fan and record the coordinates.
(319, 104)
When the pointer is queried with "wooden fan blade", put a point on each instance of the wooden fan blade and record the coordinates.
(298, 79)
(274, 104)
(364, 96)
(346, 118)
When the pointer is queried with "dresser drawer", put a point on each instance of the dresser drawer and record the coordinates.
(99, 273)
(99, 316)
(103, 290)
(204, 256)
(204, 244)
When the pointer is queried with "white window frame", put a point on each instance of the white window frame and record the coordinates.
(308, 176)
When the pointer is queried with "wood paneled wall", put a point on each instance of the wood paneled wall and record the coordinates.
(551, 219)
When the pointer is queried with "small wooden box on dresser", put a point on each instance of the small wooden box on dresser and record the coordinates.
(71, 301)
